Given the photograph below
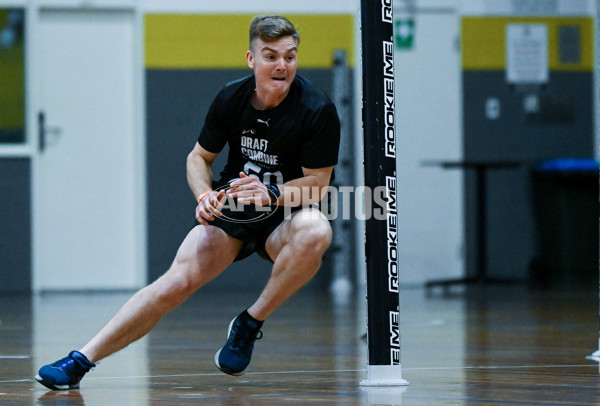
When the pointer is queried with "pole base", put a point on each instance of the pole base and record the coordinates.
(384, 395)
(595, 356)
(384, 375)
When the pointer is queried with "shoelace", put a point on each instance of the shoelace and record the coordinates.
(70, 366)
(66, 363)
(243, 338)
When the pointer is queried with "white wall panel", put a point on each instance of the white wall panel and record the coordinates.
(429, 117)
(87, 4)
(251, 7)
(515, 7)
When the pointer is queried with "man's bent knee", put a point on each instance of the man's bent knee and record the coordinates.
(319, 238)
(312, 234)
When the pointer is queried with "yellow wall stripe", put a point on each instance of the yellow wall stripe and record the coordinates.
(12, 85)
(484, 42)
(213, 41)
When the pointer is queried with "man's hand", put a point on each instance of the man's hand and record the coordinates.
(250, 190)
(210, 206)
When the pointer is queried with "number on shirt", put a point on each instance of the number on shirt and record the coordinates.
(273, 178)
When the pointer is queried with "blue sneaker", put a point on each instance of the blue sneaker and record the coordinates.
(234, 357)
(66, 372)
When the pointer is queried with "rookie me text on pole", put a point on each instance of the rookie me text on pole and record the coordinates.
(388, 98)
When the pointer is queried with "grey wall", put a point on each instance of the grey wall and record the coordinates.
(177, 101)
(562, 128)
(15, 225)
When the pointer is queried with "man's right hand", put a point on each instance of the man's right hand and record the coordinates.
(210, 206)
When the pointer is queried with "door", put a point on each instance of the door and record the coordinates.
(88, 200)
(428, 120)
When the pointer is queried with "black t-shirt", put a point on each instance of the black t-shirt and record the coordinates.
(275, 144)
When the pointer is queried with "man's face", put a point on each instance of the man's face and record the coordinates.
(274, 65)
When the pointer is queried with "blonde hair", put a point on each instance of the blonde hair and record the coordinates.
(272, 28)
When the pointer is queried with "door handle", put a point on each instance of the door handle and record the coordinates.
(43, 131)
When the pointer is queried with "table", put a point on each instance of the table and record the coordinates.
(480, 168)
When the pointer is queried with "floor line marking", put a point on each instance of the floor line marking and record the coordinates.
(483, 367)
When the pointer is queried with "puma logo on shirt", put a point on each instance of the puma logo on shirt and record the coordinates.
(258, 120)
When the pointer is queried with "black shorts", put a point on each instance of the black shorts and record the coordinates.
(252, 226)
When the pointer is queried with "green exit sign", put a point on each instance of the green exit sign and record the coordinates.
(404, 33)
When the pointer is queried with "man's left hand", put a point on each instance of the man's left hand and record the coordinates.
(249, 190)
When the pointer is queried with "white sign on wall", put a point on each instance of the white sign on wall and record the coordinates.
(527, 7)
(527, 53)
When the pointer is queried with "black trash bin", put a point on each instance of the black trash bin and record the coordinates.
(566, 209)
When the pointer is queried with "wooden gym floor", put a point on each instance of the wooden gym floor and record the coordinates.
(480, 346)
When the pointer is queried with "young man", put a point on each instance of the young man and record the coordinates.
(283, 137)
